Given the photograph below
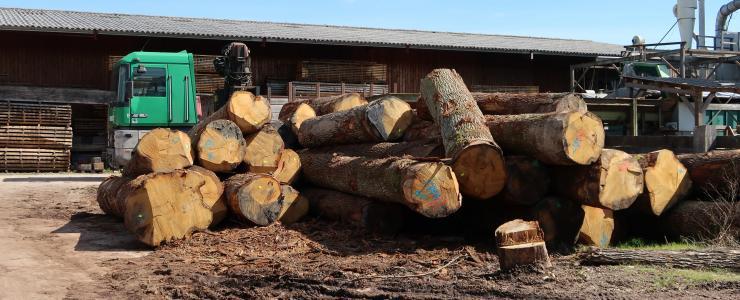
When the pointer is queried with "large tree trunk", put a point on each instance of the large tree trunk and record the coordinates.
(597, 227)
(295, 205)
(428, 188)
(714, 174)
(560, 220)
(254, 197)
(220, 146)
(573, 138)
(294, 113)
(614, 181)
(289, 167)
(325, 105)
(212, 191)
(689, 259)
(362, 212)
(166, 206)
(520, 243)
(702, 220)
(382, 120)
(108, 193)
(516, 104)
(476, 158)
(416, 149)
(250, 113)
(421, 130)
(160, 150)
(262, 154)
(666, 182)
(527, 182)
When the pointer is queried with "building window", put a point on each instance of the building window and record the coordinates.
(151, 83)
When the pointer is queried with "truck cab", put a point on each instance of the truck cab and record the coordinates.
(152, 89)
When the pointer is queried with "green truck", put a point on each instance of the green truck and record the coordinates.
(152, 89)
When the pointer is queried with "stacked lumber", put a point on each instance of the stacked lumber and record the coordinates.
(35, 136)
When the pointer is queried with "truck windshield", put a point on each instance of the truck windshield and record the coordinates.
(151, 83)
(119, 82)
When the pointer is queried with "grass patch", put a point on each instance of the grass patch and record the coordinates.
(672, 278)
(639, 244)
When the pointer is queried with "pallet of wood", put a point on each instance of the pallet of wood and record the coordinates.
(38, 113)
(34, 160)
(41, 137)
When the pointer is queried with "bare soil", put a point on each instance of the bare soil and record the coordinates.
(56, 243)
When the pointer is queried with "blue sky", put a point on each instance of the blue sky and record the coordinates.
(613, 21)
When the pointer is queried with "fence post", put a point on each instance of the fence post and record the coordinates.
(372, 87)
(342, 88)
(269, 94)
(290, 91)
(318, 90)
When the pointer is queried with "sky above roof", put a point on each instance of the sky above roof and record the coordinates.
(598, 20)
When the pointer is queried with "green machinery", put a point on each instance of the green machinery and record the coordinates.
(157, 89)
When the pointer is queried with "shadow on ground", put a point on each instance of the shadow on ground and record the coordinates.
(100, 233)
(55, 179)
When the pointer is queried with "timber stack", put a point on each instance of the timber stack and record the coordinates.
(489, 159)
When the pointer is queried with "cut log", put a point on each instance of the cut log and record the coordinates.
(254, 197)
(166, 206)
(324, 105)
(362, 212)
(250, 113)
(714, 174)
(688, 259)
(160, 150)
(290, 139)
(701, 220)
(262, 154)
(108, 195)
(666, 182)
(560, 220)
(476, 159)
(295, 206)
(415, 149)
(521, 243)
(614, 181)
(598, 226)
(420, 130)
(527, 182)
(294, 113)
(288, 168)
(429, 188)
(573, 138)
(517, 104)
(220, 146)
(212, 191)
(382, 120)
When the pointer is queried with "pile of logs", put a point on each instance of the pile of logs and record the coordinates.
(485, 158)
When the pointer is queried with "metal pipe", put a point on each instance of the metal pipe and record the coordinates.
(719, 27)
(702, 26)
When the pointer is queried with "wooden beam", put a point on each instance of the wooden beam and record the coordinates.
(58, 95)
(709, 99)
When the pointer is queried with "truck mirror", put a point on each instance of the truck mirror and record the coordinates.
(141, 69)
(129, 90)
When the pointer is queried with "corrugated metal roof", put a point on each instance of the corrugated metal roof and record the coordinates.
(123, 24)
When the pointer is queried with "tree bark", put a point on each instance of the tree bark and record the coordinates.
(689, 259)
(597, 228)
(572, 138)
(107, 195)
(714, 174)
(614, 181)
(476, 158)
(517, 104)
(362, 212)
(702, 220)
(289, 167)
(520, 243)
(294, 113)
(167, 206)
(295, 205)
(248, 112)
(415, 149)
(325, 105)
(382, 120)
(220, 146)
(428, 188)
(560, 220)
(527, 182)
(666, 182)
(262, 154)
(254, 197)
(421, 130)
(160, 150)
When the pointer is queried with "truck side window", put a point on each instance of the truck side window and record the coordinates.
(151, 83)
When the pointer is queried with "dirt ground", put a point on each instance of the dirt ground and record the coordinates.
(55, 243)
